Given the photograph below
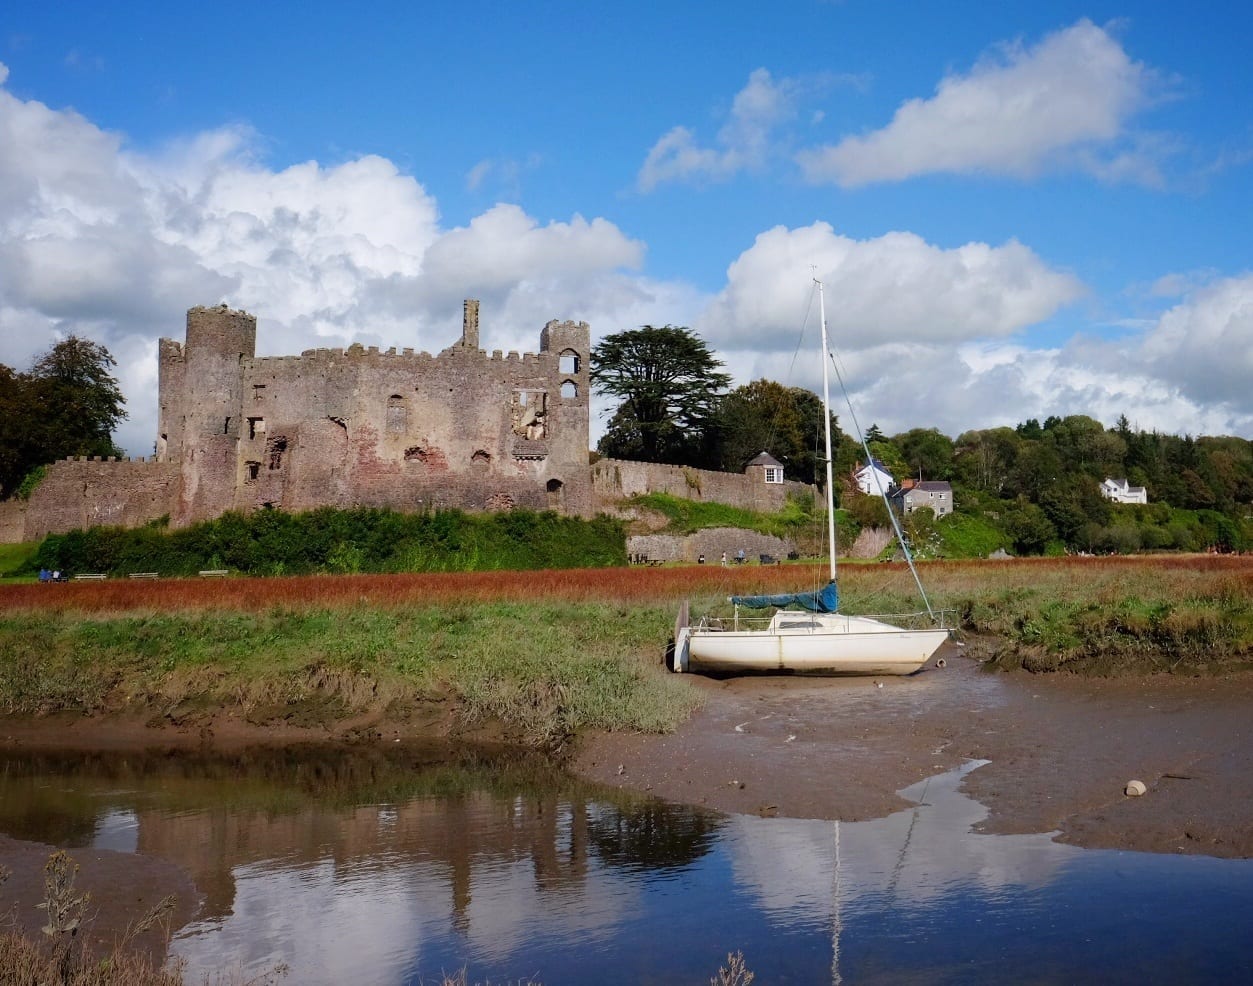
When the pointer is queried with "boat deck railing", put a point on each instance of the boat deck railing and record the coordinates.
(920, 620)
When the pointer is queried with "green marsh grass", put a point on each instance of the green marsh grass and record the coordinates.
(550, 653)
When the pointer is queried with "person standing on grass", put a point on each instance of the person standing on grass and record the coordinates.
(724, 559)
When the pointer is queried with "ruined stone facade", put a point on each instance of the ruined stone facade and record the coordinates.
(358, 427)
(343, 428)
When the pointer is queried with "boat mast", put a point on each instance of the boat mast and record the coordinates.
(826, 424)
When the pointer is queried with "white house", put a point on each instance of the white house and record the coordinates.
(874, 477)
(1120, 491)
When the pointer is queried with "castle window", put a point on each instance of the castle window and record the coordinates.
(415, 453)
(568, 363)
(397, 415)
(256, 426)
(258, 391)
(530, 414)
(774, 474)
(554, 489)
(481, 456)
(254, 470)
(226, 428)
(569, 389)
(275, 448)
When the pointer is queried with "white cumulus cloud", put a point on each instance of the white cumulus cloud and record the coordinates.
(743, 143)
(893, 288)
(1066, 102)
(100, 240)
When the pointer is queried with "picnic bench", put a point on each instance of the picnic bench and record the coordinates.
(91, 577)
(214, 573)
(143, 575)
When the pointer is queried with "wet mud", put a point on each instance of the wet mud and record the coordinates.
(1061, 750)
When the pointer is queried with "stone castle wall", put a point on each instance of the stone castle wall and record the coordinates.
(616, 479)
(82, 492)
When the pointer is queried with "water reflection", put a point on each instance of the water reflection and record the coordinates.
(389, 866)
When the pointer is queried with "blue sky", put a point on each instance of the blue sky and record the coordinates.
(1018, 209)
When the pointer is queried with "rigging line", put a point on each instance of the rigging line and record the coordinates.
(909, 836)
(896, 525)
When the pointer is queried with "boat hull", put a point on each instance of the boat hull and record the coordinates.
(826, 645)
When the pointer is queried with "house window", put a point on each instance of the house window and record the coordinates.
(774, 474)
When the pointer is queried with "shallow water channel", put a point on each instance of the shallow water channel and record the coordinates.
(385, 866)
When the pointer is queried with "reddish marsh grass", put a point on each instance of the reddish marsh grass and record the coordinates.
(626, 585)
(946, 580)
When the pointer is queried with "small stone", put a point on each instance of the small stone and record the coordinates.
(1134, 789)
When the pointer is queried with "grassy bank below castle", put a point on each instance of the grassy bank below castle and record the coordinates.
(547, 654)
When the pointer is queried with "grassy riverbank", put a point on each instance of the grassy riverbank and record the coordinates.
(543, 655)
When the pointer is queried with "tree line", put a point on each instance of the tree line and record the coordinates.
(1037, 484)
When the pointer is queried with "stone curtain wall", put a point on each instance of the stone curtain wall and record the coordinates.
(616, 479)
(80, 493)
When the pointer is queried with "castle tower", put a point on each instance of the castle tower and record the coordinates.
(570, 344)
(209, 414)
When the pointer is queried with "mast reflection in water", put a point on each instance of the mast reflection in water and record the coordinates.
(394, 866)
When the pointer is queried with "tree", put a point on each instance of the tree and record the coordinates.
(668, 382)
(927, 453)
(1028, 527)
(69, 404)
(765, 416)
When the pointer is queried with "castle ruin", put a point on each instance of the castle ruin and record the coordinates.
(357, 427)
(344, 428)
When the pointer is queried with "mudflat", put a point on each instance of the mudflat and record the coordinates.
(1061, 750)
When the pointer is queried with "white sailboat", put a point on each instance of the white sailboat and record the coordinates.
(819, 640)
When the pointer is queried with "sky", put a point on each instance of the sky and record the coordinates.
(1017, 210)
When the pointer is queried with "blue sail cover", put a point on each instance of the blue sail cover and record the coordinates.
(825, 600)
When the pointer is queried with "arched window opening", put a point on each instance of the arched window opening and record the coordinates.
(482, 457)
(569, 389)
(415, 453)
(568, 363)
